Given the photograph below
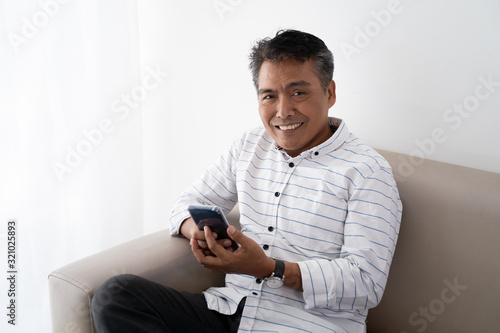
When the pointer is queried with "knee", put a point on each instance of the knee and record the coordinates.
(109, 294)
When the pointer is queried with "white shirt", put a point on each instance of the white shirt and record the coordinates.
(334, 209)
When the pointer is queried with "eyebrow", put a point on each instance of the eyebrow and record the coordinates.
(288, 86)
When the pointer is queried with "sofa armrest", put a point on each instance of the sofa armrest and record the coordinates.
(157, 256)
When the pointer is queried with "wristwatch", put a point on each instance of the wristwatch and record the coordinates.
(277, 279)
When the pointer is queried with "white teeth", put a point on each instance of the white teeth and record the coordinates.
(289, 127)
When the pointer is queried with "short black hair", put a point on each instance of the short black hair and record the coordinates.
(293, 45)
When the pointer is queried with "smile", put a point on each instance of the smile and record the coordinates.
(289, 127)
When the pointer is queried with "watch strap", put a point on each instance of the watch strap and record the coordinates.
(279, 270)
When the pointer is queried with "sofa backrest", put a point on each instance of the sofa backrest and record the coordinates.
(445, 272)
(444, 275)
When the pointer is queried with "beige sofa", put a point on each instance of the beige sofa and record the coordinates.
(444, 277)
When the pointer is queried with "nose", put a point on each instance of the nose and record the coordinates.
(284, 108)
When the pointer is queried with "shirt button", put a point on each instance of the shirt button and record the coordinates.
(254, 293)
(271, 229)
(259, 281)
(291, 165)
(265, 247)
(316, 153)
(277, 194)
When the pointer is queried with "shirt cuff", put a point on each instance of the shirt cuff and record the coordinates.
(175, 229)
(317, 283)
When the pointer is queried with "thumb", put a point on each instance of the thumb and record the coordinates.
(236, 235)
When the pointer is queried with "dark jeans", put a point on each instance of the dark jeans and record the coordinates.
(129, 303)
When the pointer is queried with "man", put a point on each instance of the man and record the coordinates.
(319, 215)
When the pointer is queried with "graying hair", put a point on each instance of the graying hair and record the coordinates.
(293, 45)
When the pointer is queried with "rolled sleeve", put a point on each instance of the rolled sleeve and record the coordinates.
(317, 283)
(356, 280)
(215, 187)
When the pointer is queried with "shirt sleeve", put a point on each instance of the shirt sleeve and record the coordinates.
(357, 278)
(215, 187)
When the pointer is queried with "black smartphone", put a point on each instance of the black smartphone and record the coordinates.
(213, 217)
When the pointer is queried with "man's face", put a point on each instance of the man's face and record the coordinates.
(293, 106)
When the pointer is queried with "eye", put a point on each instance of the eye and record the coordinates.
(298, 93)
(267, 97)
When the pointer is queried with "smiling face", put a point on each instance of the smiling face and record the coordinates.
(293, 106)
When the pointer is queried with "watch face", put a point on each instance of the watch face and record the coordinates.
(274, 282)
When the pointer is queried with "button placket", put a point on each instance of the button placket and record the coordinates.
(270, 229)
(286, 169)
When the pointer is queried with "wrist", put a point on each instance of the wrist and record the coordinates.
(293, 276)
(277, 278)
(186, 228)
(268, 268)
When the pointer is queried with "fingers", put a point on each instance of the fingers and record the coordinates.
(199, 235)
(203, 244)
(215, 256)
(207, 245)
(222, 242)
(238, 236)
(205, 257)
(208, 253)
(216, 247)
(199, 252)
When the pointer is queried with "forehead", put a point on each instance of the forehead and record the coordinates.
(273, 75)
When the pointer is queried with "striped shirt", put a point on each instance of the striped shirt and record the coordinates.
(334, 210)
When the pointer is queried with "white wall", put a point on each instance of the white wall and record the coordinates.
(400, 67)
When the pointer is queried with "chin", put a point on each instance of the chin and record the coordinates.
(289, 148)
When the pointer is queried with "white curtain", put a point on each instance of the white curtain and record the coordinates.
(71, 87)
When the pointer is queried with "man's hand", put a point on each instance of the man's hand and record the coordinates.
(190, 230)
(248, 259)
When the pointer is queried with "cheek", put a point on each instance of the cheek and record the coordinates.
(265, 115)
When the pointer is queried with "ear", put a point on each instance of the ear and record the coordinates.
(330, 92)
